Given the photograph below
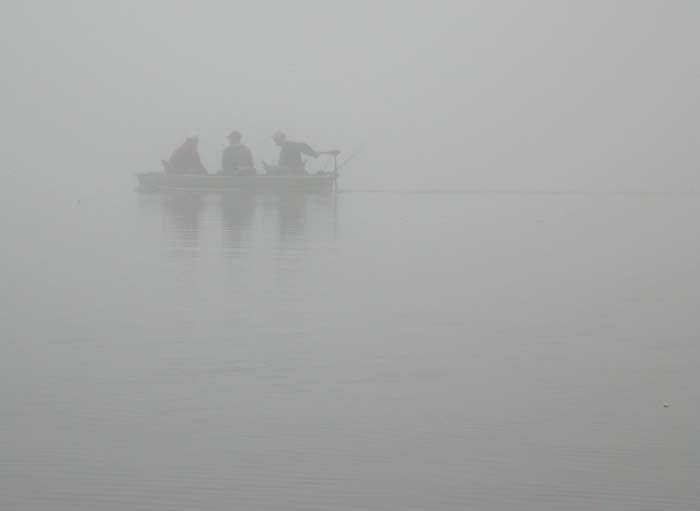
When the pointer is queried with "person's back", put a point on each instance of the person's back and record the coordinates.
(291, 161)
(291, 155)
(185, 159)
(237, 157)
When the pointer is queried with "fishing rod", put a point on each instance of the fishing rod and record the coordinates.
(352, 156)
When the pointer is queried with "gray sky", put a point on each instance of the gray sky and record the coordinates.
(473, 93)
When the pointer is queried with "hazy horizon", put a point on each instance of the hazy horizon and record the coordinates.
(272, 347)
(544, 94)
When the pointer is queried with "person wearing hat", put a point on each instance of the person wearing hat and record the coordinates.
(290, 160)
(185, 159)
(237, 158)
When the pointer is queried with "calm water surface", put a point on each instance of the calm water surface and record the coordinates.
(379, 351)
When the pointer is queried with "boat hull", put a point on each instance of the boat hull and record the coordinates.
(159, 181)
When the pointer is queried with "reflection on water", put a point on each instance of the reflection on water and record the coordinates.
(237, 217)
(182, 216)
(292, 215)
(441, 352)
(246, 219)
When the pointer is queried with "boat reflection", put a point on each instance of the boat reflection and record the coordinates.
(290, 219)
(181, 218)
(236, 223)
(237, 219)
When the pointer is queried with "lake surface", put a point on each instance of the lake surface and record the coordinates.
(378, 351)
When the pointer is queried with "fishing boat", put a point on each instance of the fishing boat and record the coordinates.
(160, 181)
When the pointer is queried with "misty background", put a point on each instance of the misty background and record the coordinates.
(528, 342)
(543, 94)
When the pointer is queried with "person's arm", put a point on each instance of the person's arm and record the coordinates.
(224, 161)
(306, 149)
(248, 158)
(199, 167)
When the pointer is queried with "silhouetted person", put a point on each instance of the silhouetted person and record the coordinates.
(185, 159)
(237, 158)
(291, 161)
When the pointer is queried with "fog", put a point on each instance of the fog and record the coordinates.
(469, 94)
(494, 307)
